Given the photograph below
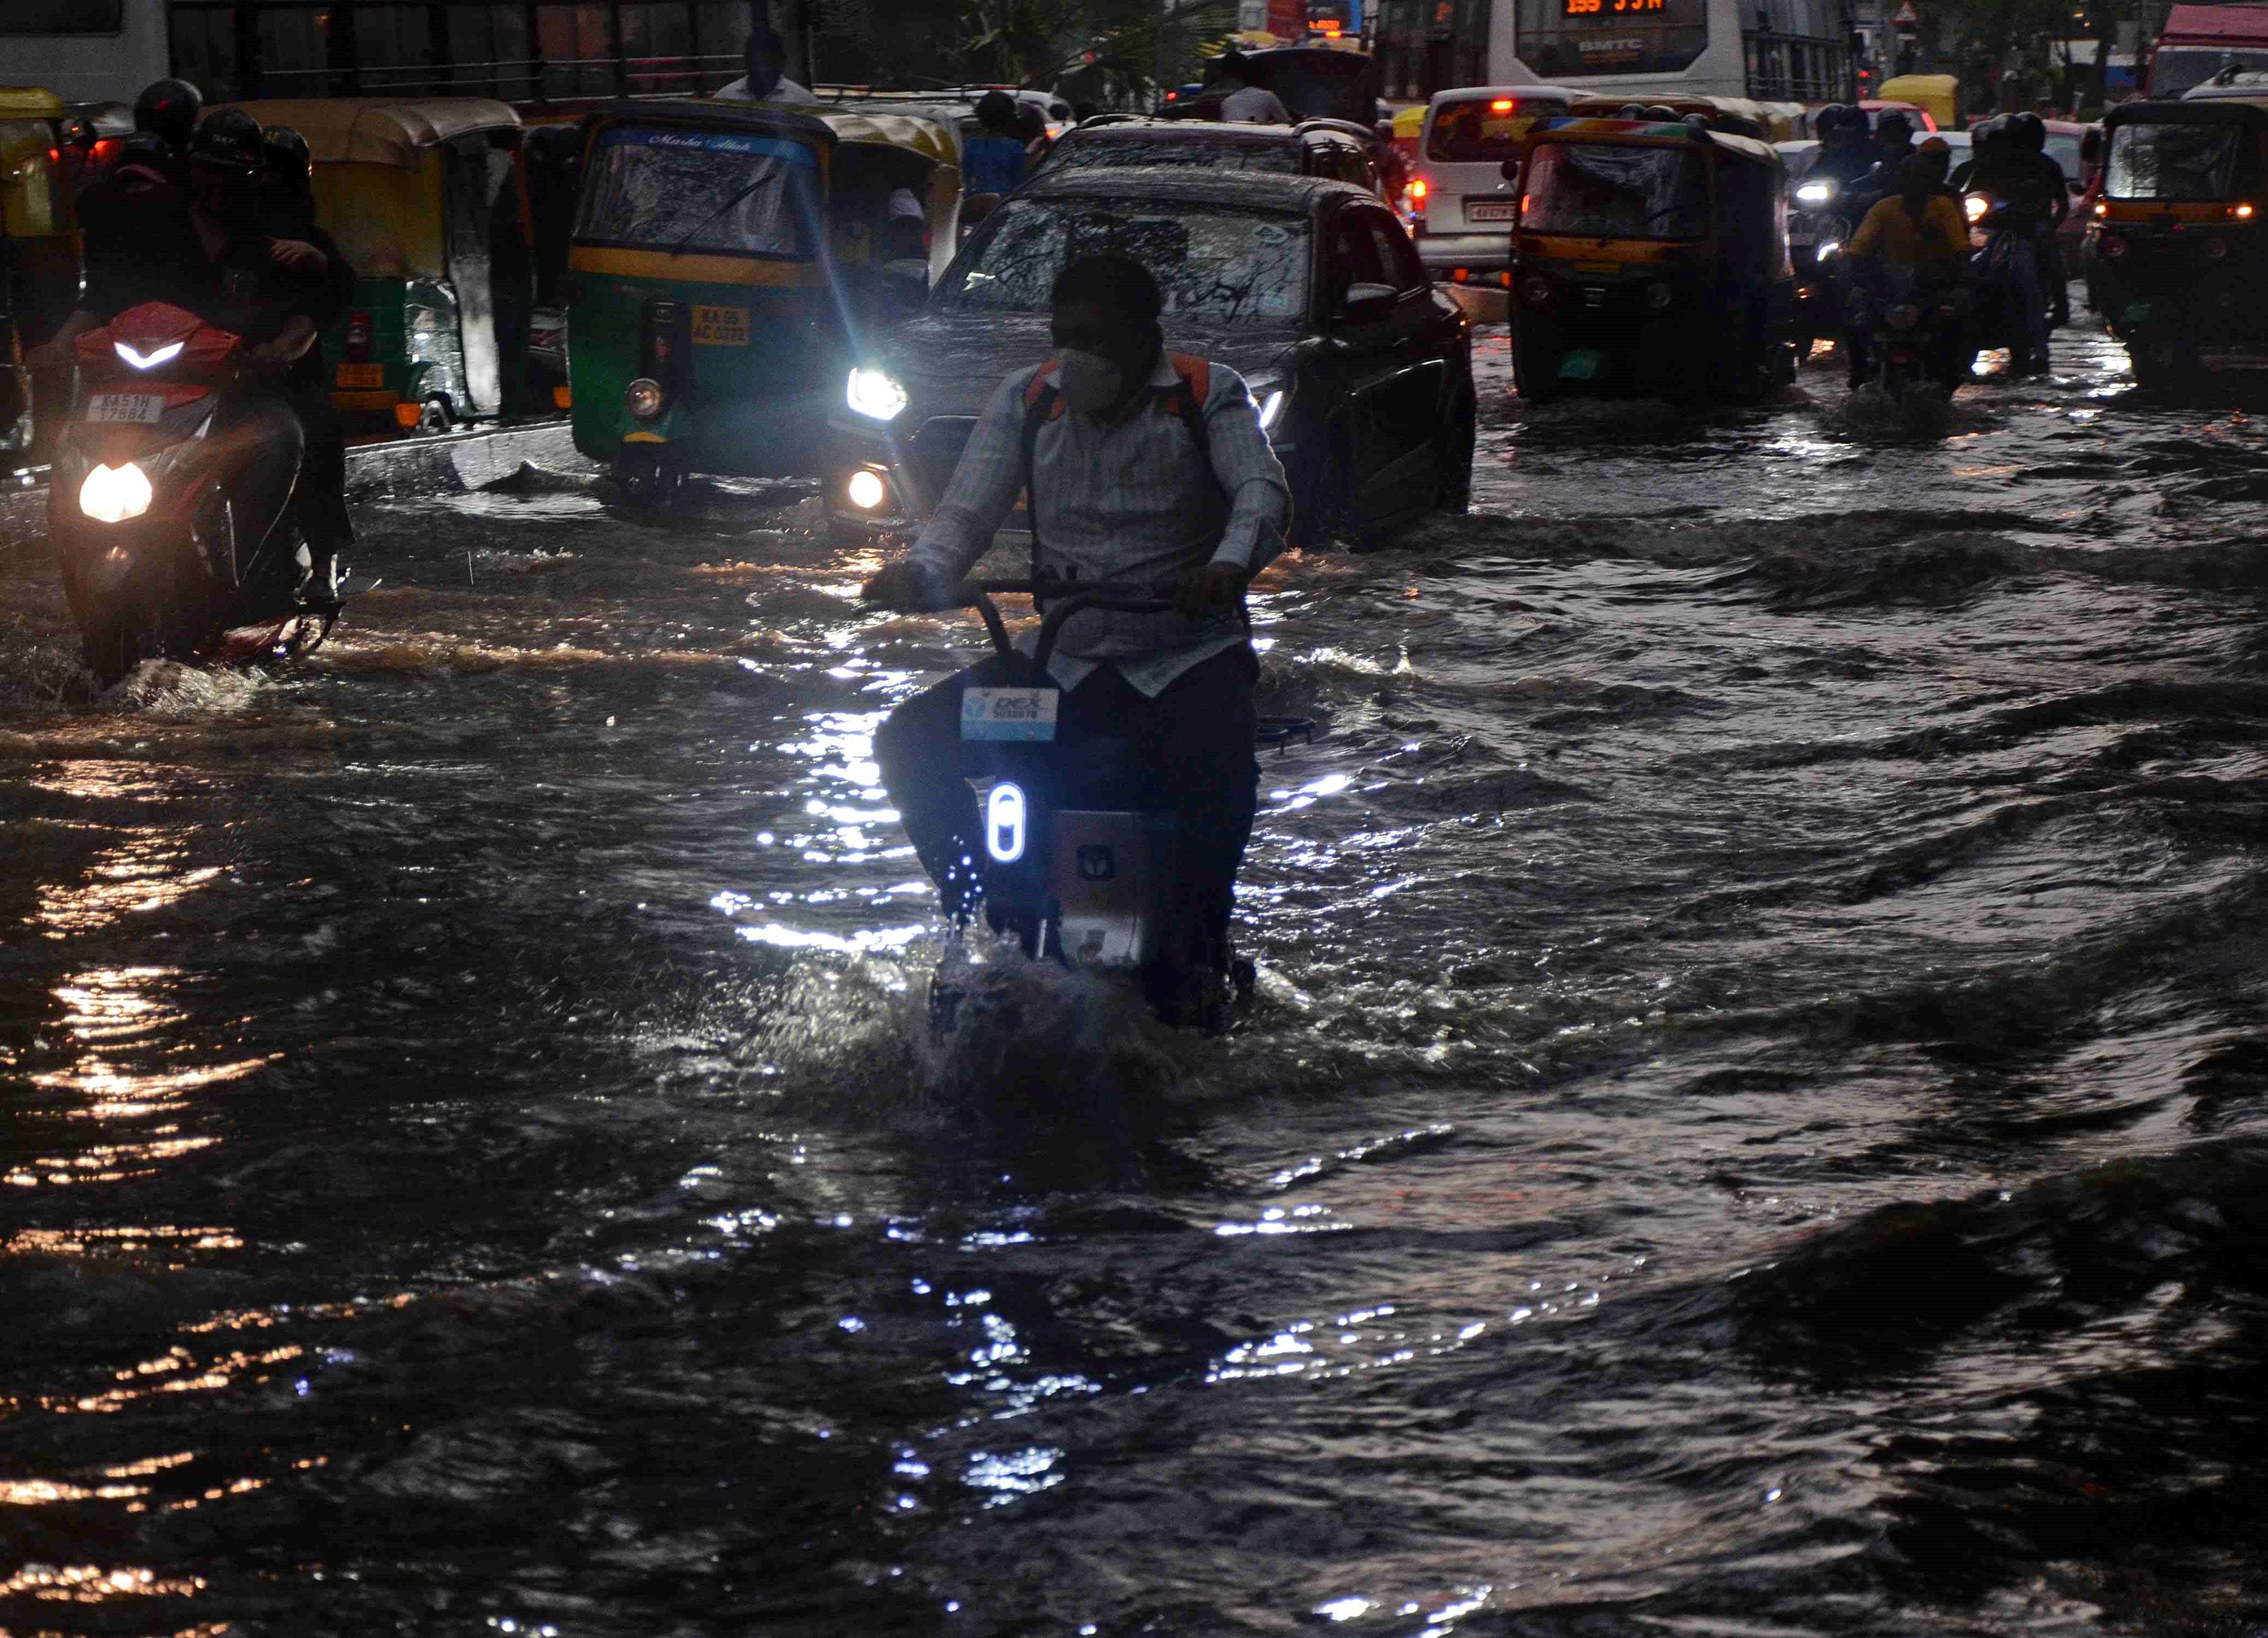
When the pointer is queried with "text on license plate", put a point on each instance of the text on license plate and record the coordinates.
(720, 326)
(136, 408)
(1009, 713)
(362, 375)
(1491, 209)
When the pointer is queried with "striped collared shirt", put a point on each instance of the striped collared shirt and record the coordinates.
(1129, 502)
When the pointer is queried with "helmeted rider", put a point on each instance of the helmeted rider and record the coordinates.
(1913, 244)
(1148, 470)
(2015, 169)
(169, 109)
(1843, 156)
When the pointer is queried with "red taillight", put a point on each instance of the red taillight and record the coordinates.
(358, 338)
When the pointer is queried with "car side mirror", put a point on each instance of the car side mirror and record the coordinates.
(1368, 303)
(1509, 170)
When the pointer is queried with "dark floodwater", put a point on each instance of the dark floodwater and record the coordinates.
(1754, 1124)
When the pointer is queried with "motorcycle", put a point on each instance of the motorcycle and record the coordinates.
(1993, 247)
(1817, 228)
(1079, 846)
(169, 501)
(1917, 343)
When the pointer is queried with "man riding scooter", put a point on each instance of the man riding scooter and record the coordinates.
(1147, 471)
(2027, 188)
(1914, 246)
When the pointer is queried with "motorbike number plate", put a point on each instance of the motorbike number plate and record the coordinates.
(142, 409)
(720, 326)
(1492, 210)
(362, 375)
(1009, 713)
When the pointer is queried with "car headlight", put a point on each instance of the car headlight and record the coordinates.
(1814, 193)
(642, 398)
(1271, 407)
(113, 495)
(872, 393)
(150, 360)
(1976, 205)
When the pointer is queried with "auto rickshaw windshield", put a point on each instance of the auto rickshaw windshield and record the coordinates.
(2173, 161)
(1210, 262)
(1601, 190)
(717, 192)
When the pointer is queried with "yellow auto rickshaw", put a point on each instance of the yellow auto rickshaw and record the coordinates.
(727, 260)
(428, 203)
(39, 251)
(1651, 260)
(1938, 95)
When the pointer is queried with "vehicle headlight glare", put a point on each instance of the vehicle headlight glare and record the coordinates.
(1830, 248)
(1004, 822)
(113, 495)
(642, 398)
(1814, 193)
(866, 490)
(1976, 205)
(1271, 410)
(874, 394)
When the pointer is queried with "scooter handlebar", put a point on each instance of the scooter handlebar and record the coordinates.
(1069, 597)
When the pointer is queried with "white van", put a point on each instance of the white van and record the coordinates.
(1462, 202)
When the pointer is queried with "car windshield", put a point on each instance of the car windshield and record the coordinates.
(2173, 161)
(1210, 262)
(1485, 130)
(1098, 151)
(743, 193)
(1599, 190)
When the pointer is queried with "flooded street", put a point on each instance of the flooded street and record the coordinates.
(1749, 1127)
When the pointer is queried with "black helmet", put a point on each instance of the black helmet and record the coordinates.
(1894, 127)
(229, 139)
(287, 155)
(170, 108)
(1832, 118)
(2027, 130)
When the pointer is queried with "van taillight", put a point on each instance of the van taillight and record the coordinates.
(358, 338)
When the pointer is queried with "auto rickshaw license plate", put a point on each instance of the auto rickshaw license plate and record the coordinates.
(1009, 713)
(362, 375)
(126, 408)
(720, 326)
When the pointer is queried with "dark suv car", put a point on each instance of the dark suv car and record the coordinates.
(1308, 289)
(1328, 148)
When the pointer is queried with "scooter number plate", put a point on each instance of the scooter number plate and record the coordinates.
(1009, 713)
(141, 410)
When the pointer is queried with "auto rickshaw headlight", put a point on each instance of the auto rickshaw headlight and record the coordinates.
(2243, 213)
(1814, 193)
(1536, 290)
(642, 398)
(1975, 206)
(872, 393)
(1658, 296)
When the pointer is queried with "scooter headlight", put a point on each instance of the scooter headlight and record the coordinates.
(1004, 822)
(113, 495)
(148, 360)
(872, 393)
(1975, 205)
(1814, 193)
(642, 398)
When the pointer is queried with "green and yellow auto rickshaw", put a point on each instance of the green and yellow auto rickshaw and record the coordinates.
(427, 201)
(38, 252)
(725, 258)
(1651, 260)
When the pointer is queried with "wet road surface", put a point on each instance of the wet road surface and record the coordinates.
(1750, 1125)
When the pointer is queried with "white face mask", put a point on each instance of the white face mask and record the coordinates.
(1089, 382)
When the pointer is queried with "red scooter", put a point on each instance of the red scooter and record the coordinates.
(169, 502)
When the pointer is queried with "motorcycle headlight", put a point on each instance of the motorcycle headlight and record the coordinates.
(875, 394)
(642, 398)
(1976, 205)
(1271, 407)
(1830, 248)
(1814, 193)
(113, 495)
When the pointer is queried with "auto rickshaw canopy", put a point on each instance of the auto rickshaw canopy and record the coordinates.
(380, 130)
(27, 102)
(1938, 95)
(2250, 110)
(919, 133)
(1748, 205)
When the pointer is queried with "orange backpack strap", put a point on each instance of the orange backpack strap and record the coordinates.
(1037, 390)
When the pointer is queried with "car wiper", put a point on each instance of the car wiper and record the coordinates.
(753, 183)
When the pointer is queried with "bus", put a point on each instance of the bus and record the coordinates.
(1768, 50)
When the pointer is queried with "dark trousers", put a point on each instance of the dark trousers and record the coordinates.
(321, 497)
(1194, 741)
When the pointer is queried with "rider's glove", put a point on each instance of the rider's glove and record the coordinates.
(907, 586)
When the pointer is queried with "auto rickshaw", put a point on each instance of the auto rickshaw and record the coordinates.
(2177, 248)
(1651, 260)
(1938, 95)
(38, 252)
(428, 203)
(726, 258)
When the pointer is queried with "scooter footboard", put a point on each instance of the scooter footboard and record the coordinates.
(1112, 872)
